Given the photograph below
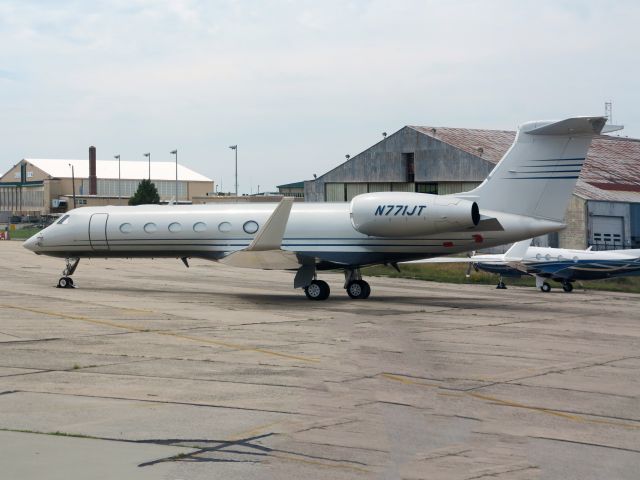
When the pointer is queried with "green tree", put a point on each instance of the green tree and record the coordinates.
(146, 193)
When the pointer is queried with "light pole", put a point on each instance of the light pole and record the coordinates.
(119, 191)
(73, 185)
(175, 152)
(148, 155)
(235, 147)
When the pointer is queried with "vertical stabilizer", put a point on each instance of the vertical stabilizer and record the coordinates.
(539, 172)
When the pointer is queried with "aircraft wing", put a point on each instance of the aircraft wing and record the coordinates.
(489, 258)
(265, 251)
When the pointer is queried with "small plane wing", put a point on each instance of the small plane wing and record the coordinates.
(265, 251)
(488, 258)
(513, 257)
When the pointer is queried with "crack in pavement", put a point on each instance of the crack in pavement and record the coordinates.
(166, 402)
(588, 444)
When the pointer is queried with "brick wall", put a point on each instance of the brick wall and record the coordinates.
(575, 235)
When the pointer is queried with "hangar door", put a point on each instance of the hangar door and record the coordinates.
(98, 231)
(607, 233)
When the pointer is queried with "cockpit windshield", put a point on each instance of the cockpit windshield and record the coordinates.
(63, 220)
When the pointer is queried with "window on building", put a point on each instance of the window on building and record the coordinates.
(335, 192)
(427, 188)
(410, 165)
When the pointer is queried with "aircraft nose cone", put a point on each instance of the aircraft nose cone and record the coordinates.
(33, 243)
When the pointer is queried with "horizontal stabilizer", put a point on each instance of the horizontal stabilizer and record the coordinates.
(571, 126)
(612, 128)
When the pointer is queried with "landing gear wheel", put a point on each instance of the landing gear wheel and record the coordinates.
(501, 286)
(367, 290)
(317, 290)
(567, 287)
(358, 289)
(65, 282)
(545, 287)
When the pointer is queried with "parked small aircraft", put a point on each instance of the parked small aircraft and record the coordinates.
(525, 195)
(558, 264)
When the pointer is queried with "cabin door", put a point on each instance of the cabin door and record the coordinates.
(98, 231)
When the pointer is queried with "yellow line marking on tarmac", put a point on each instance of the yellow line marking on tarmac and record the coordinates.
(252, 433)
(131, 328)
(528, 407)
(488, 398)
(407, 381)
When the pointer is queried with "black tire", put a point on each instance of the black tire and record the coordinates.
(546, 288)
(367, 289)
(567, 287)
(63, 282)
(317, 290)
(358, 289)
(70, 281)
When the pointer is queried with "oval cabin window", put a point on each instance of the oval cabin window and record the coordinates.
(250, 227)
(150, 228)
(175, 227)
(126, 228)
(199, 227)
(224, 227)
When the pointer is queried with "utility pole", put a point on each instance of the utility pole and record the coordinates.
(73, 185)
(235, 148)
(175, 152)
(148, 155)
(117, 157)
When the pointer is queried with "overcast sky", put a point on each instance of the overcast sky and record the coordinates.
(297, 85)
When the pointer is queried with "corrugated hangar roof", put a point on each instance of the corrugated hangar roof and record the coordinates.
(108, 169)
(292, 185)
(610, 172)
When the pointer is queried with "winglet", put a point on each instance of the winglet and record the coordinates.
(265, 251)
(270, 236)
(517, 251)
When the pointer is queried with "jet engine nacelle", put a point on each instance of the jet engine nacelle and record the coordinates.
(403, 214)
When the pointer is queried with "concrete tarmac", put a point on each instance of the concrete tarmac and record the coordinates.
(152, 370)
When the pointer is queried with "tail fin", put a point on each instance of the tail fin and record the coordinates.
(517, 251)
(539, 172)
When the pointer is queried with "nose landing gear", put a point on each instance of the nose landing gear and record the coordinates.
(66, 281)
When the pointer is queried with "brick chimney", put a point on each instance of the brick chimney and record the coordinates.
(93, 179)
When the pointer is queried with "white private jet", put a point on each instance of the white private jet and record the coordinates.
(559, 264)
(524, 196)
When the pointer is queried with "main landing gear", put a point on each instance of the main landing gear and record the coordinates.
(66, 281)
(354, 285)
(317, 290)
(356, 288)
(567, 287)
(501, 285)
